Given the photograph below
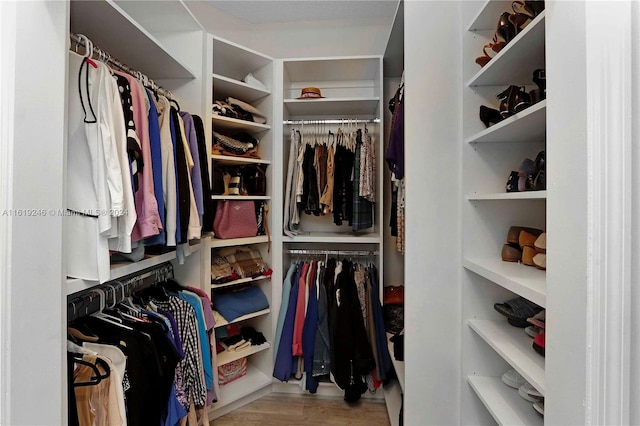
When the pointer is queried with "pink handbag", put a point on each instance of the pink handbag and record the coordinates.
(235, 219)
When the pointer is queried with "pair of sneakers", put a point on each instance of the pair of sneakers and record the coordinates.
(513, 379)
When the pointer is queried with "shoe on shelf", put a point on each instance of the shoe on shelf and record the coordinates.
(532, 331)
(540, 261)
(532, 8)
(513, 379)
(513, 100)
(511, 252)
(538, 343)
(538, 319)
(518, 309)
(489, 116)
(539, 172)
(539, 407)
(540, 80)
(513, 235)
(528, 392)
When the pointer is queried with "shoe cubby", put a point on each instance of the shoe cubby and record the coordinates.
(490, 344)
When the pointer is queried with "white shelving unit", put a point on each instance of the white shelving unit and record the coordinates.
(230, 63)
(490, 345)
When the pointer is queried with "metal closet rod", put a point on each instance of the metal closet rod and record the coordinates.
(338, 252)
(333, 121)
(106, 57)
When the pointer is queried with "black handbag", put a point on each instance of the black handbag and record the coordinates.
(254, 179)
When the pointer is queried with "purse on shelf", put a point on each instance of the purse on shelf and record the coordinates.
(235, 219)
(254, 179)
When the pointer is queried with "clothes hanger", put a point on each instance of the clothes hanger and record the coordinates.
(108, 318)
(97, 378)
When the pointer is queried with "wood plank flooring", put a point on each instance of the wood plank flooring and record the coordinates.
(294, 410)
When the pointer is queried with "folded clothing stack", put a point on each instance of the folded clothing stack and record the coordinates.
(240, 145)
(236, 303)
(232, 263)
(235, 108)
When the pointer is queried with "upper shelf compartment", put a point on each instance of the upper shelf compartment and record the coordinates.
(225, 87)
(350, 86)
(108, 26)
(235, 62)
(515, 63)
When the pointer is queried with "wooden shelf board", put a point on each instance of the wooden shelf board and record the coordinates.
(251, 382)
(217, 242)
(503, 402)
(332, 106)
(229, 160)
(334, 237)
(226, 357)
(228, 124)
(97, 20)
(527, 195)
(239, 281)
(514, 345)
(224, 87)
(515, 63)
(122, 269)
(243, 318)
(529, 125)
(526, 281)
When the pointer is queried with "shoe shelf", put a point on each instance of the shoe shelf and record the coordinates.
(227, 160)
(526, 281)
(239, 281)
(514, 346)
(240, 197)
(503, 402)
(223, 322)
(528, 125)
(487, 16)
(516, 61)
(526, 195)
(397, 365)
(226, 357)
(228, 124)
(336, 106)
(251, 382)
(218, 242)
(224, 87)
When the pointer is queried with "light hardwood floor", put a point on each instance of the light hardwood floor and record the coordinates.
(306, 410)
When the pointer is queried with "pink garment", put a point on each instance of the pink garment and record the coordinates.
(298, 323)
(148, 223)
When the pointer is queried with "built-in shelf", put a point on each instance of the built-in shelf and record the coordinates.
(529, 125)
(487, 17)
(234, 161)
(235, 61)
(397, 365)
(240, 197)
(525, 195)
(251, 382)
(227, 124)
(336, 107)
(122, 269)
(226, 357)
(334, 237)
(514, 345)
(160, 16)
(98, 19)
(526, 281)
(515, 63)
(504, 403)
(224, 87)
(239, 281)
(218, 242)
(224, 322)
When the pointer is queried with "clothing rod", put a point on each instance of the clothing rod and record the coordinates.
(106, 57)
(337, 252)
(333, 121)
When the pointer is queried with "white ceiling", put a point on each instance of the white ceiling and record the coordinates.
(267, 11)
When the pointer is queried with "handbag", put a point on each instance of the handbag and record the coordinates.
(235, 219)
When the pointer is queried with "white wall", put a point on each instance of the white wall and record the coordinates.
(32, 368)
(433, 140)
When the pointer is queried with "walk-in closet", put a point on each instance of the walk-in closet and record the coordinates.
(210, 204)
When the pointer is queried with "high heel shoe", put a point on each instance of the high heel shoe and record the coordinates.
(506, 30)
(540, 80)
(513, 100)
(530, 7)
(489, 116)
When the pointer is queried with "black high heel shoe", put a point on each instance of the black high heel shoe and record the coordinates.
(506, 29)
(513, 100)
(490, 116)
(540, 79)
